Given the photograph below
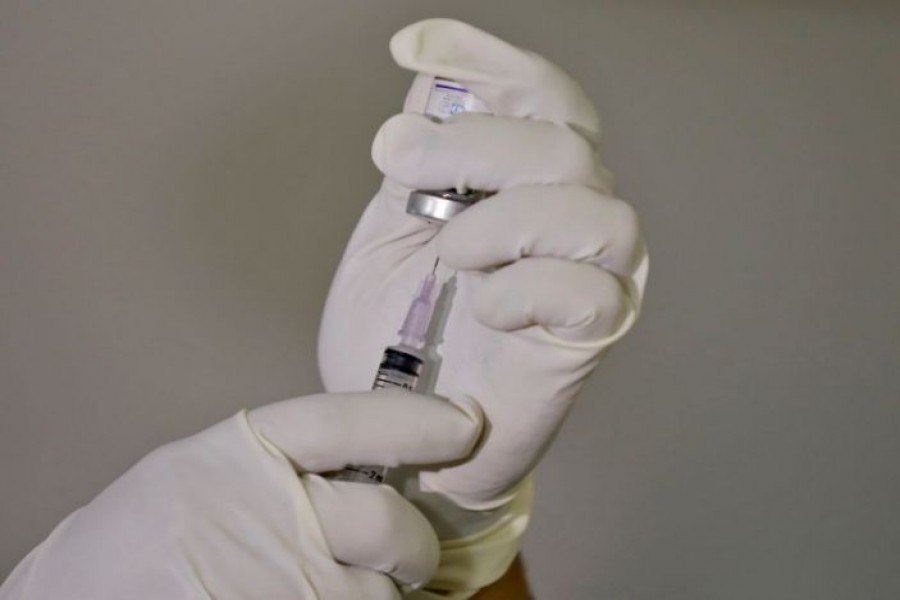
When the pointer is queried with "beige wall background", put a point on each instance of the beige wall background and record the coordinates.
(177, 181)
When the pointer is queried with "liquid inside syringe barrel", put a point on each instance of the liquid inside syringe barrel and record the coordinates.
(400, 368)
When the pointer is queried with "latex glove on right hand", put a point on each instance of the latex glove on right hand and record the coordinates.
(550, 269)
(224, 514)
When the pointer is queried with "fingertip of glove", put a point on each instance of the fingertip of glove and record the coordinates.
(400, 145)
(379, 152)
(414, 47)
(472, 410)
(389, 142)
(404, 43)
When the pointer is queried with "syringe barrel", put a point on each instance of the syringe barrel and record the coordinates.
(400, 368)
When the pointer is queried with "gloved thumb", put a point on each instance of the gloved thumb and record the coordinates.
(325, 432)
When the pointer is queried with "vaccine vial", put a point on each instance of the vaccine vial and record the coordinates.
(400, 368)
(446, 99)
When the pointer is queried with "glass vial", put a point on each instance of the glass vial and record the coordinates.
(446, 99)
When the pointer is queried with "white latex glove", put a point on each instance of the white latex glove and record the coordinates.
(551, 268)
(223, 514)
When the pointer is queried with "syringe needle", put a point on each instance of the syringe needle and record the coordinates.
(434, 268)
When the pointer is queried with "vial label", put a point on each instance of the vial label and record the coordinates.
(448, 98)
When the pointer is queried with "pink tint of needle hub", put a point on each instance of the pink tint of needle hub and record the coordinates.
(415, 326)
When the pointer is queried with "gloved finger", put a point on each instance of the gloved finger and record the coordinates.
(568, 221)
(372, 526)
(574, 301)
(484, 152)
(509, 80)
(325, 432)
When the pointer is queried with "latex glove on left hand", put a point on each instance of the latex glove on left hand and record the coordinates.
(551, 268)
(224, 514)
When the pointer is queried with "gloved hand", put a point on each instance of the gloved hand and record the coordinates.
(223, 514)
(550, 269)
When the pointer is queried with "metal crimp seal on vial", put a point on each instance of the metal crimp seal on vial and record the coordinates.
(439, 206)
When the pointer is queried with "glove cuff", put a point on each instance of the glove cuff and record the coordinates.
(475, 561)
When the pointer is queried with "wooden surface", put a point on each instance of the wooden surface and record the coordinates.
(511, 586)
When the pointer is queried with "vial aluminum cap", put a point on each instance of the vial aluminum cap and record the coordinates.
(439, 206)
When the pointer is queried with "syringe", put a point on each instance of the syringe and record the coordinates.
(401, 366)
